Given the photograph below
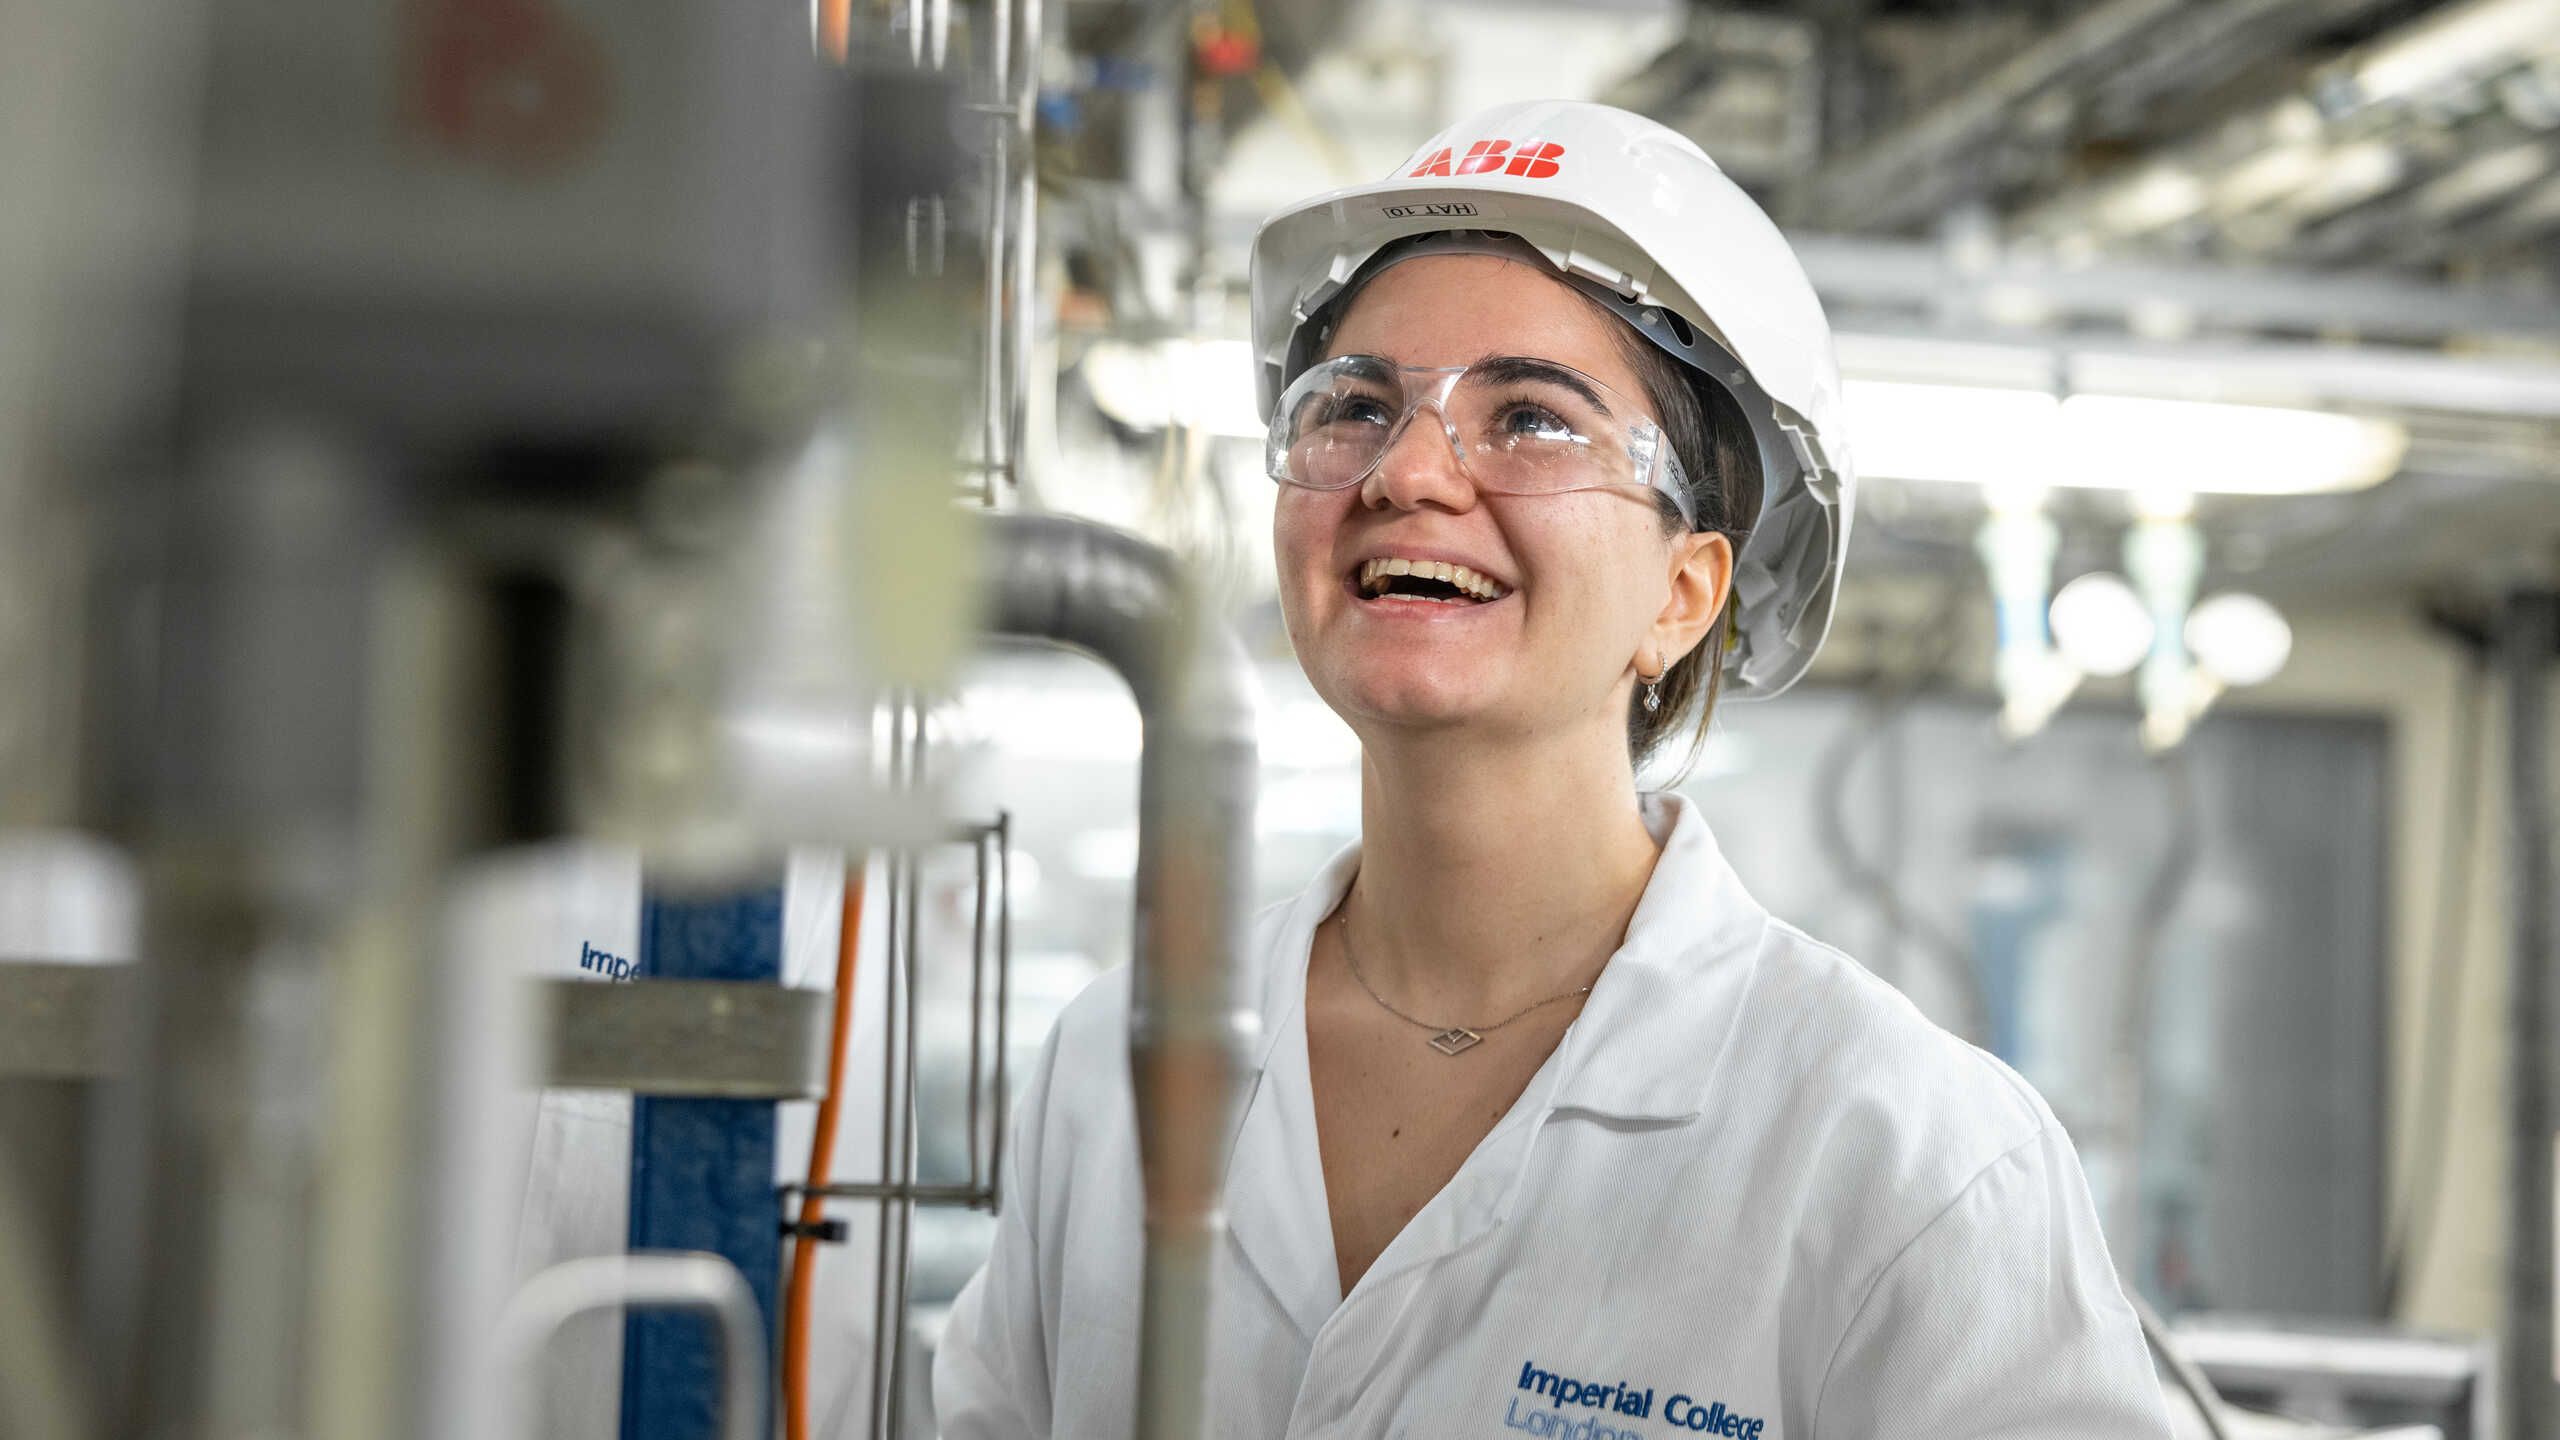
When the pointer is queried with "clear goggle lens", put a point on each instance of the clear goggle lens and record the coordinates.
(1519, 426)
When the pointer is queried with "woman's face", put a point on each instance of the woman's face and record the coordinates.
(1587, 571)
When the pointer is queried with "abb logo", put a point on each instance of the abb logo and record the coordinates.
(1531, 159)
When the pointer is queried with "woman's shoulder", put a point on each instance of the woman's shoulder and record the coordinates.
(1863, 1085)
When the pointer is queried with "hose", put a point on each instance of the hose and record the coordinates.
(822, 1157)
(2208, 1401)
(1884, 696)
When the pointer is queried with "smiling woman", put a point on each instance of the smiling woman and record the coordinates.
(1540, 1084)
(1525, 425)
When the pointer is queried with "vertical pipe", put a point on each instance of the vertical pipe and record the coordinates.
(2528, 638)
(906, 1177)
(1191, 1021)
(901, 918)
(1004, 997)
(1026, 233)
(993, 454)
(977, 992)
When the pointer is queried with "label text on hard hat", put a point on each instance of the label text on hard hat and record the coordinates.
(1530, 159)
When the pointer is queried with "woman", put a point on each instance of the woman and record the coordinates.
(1553, 1129)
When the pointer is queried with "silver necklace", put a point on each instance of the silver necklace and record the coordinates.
(1447, 1039)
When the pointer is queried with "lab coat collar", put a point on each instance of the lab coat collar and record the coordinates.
(1644, 1049)
(1646, 1044)
(1651, 1037)
(1277, 1208)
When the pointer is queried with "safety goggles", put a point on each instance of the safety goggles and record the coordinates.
(1519, 426)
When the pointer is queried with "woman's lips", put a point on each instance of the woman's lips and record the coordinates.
(1412, 607)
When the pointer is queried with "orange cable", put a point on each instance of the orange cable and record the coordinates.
(822, 1159)
(835, 29)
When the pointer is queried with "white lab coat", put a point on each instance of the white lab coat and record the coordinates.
(1752, 1193)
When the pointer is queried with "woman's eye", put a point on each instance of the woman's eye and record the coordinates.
(1532, 422)
(1356, 410)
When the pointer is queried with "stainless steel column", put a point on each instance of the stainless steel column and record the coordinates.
(2527, 641)
(1132, 605)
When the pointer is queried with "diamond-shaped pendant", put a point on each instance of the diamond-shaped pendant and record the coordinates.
(1454, 1039)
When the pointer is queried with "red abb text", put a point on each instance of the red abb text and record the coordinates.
(1530, 159)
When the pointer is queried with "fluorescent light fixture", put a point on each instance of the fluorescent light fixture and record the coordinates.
(2003, 437)
(2100, 625)
(2125, 442)
(1982, 434)
(2239, 639)
(1206, 384)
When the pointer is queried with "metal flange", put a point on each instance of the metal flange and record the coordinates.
(58, 1021)
(718, 1039)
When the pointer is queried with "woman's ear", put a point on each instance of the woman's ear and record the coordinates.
(1701, 578)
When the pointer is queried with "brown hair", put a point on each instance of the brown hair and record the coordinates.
(1721, 464)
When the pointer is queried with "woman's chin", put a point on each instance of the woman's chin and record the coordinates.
(1414, 701)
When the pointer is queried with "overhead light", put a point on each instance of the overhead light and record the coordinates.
(2130, 443)
(1191, 383)
(2452, 46)
(2351, 175)
(2239, 638)
(2163, 196)
(2276, 171)
(1983, 434)
(2100, 625)
(1998, 436)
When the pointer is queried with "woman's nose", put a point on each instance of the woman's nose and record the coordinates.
(1420, 466)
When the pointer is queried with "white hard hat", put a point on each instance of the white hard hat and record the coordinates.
(1642, 216)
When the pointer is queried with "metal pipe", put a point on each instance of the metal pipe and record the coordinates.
(2454, 45)
(44, 1387)
(1025, 255)
(644, 1280)
(2528, 637)
(906, 1175)
(994, 453)
(968, 1195)
(977, 994)
(886, 1323)
(1004, 997)
(1133, 606)
(1882, 174)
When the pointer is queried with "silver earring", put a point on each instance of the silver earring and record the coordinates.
(1653, 695)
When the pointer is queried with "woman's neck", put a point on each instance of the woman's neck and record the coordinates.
(1491, 876)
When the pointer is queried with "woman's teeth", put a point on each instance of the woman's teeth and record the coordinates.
(1375, 573)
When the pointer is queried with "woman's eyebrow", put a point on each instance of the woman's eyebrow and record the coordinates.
(1512, 369)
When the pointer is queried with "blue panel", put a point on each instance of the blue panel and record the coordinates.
(701, 1171)
(2006, 926)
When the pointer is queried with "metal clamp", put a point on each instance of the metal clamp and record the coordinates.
(57, 1021)
(721, 1039)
